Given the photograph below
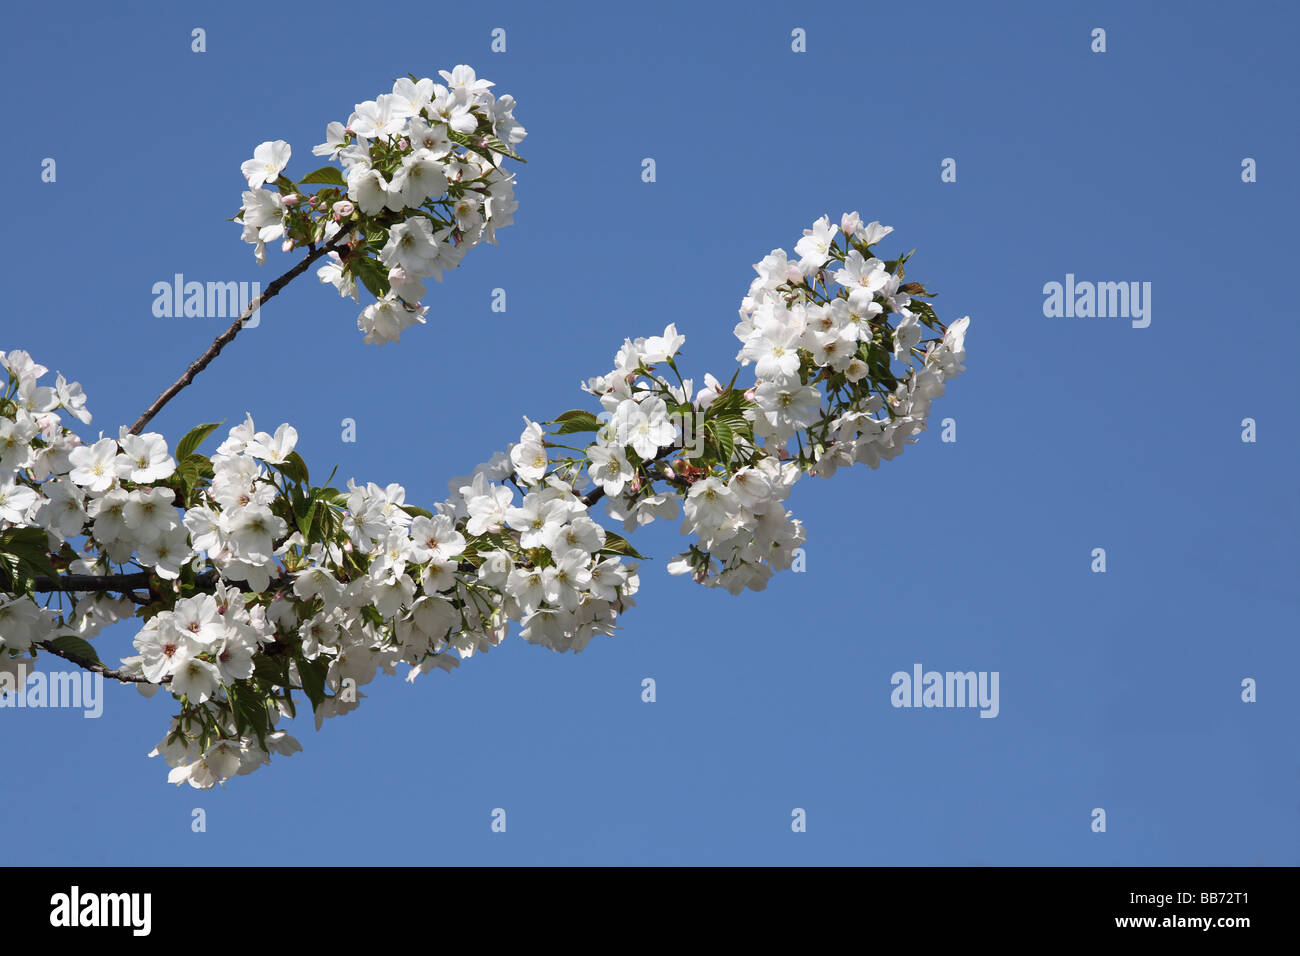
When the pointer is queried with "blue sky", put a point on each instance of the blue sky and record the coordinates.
(1119, 690)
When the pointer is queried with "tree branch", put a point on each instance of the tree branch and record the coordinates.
(77, 583)
(126, 583)
(94, 666)
(226, 337)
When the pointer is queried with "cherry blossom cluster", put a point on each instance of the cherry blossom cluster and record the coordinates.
(833, 378)
(250, 584)
(420, 183)
(257, 583)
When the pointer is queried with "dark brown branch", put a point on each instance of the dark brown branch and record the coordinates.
(94, 666)
(226, 337)
(77, 583)
(126, 583)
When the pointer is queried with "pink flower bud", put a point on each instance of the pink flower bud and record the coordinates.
(292, 199)
(314, 201)
(850, 223)
(749, 393)
(286, 246)
(343, 208)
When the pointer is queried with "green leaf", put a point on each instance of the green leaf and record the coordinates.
(417, 512)
(293, 468)
(575, 420)
(326, 521)
(12, 578)
(271, 670)
(926, 312)
(16, 540)
(331, 495)
(194, 438)
(471, 142)
(30, 550)
(318, 522)
(75, 646)
(193, 469)
(302, 508)
(502, 148)
(326, 175)
(249, 710)
(617, 544)
(723, 437)
(730, 404)
(372, 274)
(233, 696)
(313, 679)
(305, 521)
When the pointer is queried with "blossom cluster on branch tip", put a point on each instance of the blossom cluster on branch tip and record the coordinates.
(833, 378)
(252, 584)
(421, 183)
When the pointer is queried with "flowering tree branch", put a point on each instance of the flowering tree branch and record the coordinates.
(260, 587)
(127, 583)
(228, 336)
(88, 583)
(94, 666)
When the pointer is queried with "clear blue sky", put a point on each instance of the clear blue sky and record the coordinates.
(1118, 690)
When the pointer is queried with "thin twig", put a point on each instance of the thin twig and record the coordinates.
(95, 666)
(226, 337)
